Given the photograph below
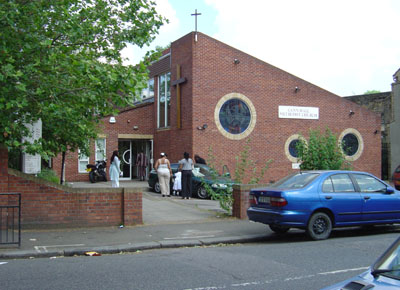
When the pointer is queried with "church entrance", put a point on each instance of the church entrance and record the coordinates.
(136, 156)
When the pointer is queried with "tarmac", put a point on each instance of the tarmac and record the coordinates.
(168, 222)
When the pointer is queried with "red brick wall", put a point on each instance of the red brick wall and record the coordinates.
(139, 116)
(241, 199)
(175, 141)
(215, 75)
(208, 65)
(47, 205)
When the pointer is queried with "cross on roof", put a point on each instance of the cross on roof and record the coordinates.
(195, 14)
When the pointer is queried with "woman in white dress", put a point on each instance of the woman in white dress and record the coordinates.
(114, 169)
(164, 173)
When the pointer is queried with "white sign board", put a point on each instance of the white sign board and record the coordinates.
(292, 112)
(295, 165)
(31, 164)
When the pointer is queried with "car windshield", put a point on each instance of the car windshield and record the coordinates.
(389, 264)
(296, 180)
(204, 171)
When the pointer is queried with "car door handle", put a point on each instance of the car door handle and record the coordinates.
(367, 197)
(328, 197)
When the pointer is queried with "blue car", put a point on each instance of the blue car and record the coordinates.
(318, 201)
(383, 274)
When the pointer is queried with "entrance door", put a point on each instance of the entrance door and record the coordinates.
(125, 154)
(128, 151)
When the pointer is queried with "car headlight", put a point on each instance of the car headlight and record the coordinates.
(219, 185)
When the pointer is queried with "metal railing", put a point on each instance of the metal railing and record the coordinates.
(10, 219)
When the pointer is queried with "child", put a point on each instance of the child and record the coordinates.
(176, 189)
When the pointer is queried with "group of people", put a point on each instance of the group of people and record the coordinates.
(183, 178)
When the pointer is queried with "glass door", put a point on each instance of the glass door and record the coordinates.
(125, 154)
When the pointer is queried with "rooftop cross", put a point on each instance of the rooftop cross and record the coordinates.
(195, 14)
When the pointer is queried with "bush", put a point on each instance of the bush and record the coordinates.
(245, 169)
(322, 151)
(49, 175)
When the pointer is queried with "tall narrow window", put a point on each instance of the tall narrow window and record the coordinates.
(100, 149)
(82, 161)
(164, 100)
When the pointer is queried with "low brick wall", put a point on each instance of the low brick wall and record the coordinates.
(49, 205)
(241, 199)
(45, 204)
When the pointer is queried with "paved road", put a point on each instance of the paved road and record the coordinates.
(288, 262)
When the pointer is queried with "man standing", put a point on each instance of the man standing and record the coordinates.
(141, 163)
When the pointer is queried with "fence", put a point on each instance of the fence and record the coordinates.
(10, 218)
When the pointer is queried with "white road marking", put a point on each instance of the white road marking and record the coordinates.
(43, 249)
(3, 263)
(260, 283)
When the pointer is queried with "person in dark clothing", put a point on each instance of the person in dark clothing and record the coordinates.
(199, 160)
(186, 166)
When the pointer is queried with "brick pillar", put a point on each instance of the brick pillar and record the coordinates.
(3, 168)
(241, 199)
(132, 206)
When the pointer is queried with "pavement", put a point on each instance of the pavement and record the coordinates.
(168, 222)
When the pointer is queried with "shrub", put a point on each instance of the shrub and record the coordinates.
(49, 175)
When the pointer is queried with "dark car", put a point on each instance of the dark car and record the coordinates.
(318, 201)
(383, 274)
(396, 178)
(201, 174)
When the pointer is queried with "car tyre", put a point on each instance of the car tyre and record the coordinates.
(279, 229)
(202, 192)
(319, 226)
(157, 187)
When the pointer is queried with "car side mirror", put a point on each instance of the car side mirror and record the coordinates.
(389, 190)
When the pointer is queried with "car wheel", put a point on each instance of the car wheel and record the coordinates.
(279, 229)
(157, 187)
(201, 192)
(319, 226)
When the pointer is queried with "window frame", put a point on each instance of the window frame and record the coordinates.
(99, 149)
(81, 159)
(167, 94)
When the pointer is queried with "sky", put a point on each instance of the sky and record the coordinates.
(347, 47)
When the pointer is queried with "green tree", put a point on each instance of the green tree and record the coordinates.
(372, 92)
(61, 62)
(321, 152)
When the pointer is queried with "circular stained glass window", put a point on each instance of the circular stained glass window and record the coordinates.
(292, 148)
(350, 144)
(235, 116)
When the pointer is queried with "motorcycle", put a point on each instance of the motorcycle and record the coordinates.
(97, 172)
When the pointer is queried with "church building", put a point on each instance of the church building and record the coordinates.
(205, 96)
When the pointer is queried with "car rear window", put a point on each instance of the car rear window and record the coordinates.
(297, 180)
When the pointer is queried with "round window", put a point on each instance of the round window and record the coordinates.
(292, 148)
(350, 144)
(235, 116)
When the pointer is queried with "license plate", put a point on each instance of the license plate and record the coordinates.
(264, 199)
(88, 169)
